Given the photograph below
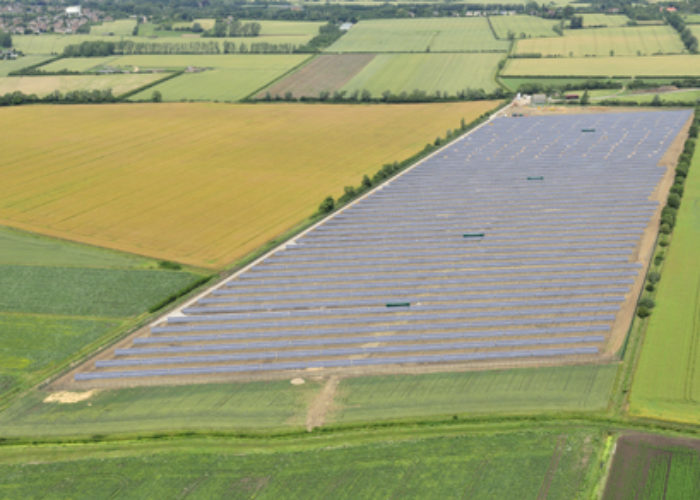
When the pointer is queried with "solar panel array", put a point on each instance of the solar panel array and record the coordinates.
(517, 241)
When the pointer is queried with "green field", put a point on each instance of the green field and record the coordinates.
(604, 20)
(82, 64)
(59, 298)
(687, 96)
(600, 42)
(582, 388)
(695, 29)
(520, 26)
(231, 77)
(513, 464)
(420, 35)
(649, 467)
(427, 72)
(120, 27)
(681, 65)
(17, 64)
(43, 85)
(667, 381)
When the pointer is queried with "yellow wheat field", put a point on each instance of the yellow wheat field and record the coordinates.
(202, 184)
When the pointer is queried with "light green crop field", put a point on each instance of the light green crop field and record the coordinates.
(120, 27)
(681, 65)
(288, 28)
(53, 44)
(420, 35)
(576, 388)
(687, 96)
(627, 41)
(667, 381)
(516, 464)
(691, 18)
(17, 64)
(43, 85)
(522, 26)
(231, 78)
(694, 29)
(428, 72)
(82, 64)
(59, 298)
(604, 20)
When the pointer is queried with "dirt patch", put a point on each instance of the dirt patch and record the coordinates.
(297, 381)
(68, 397)
(318, 409)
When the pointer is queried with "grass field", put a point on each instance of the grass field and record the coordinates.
(120, 27)
(576, 388)
(17, 64)
(228, 191)
(476, 466)
(428, 72)
(43, 85)
(606, 20)
(60, 297)
(667, 381)
(327, 72)
(521, 26)
(681, 65)
(695, 29)
(420, 35)
(231, 77)
(82, 64)
(691, 18)
(648, 467)
(627, 41)
(688, 96)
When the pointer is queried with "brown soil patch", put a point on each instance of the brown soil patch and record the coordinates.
(67, 397)
(325, 73)
(318, 409)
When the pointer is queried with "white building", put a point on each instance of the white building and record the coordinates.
(73, 10)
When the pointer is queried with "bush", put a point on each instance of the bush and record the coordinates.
(665, 229)
(647, 302)
(166, 264)
(659, 258)
(654, 277)
(326, 205)
(677, 189)
(643, 312)
(674, 201)
(663, 242)
(649, 287)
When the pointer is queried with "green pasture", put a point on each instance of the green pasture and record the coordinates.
(691, 18)
(420, 35)
(657, 66)
(120, 27)
(236, 77)
(522, 26)
(61, 298)
(428, 72)
(695, 29)
(604, 20)
(308, 29)
(152, 30)
(515, 464)
(666, 384)
(8, 66)
(81, 64)
(687, 96)
(525, 390)
(601, 42)
(43, 85)
(53, 44)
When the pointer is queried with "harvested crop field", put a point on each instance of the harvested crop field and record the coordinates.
(420, 35)
(681, 65)
(197, 183)
(646, 466)
(43, 85)
(601, 42)
(532, 264)
(325, 73)
(445, 73)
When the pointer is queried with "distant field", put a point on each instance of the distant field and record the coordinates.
(420, 35)
(583, 388)
(120, 27)
(231, 77)
(695, 29)
(667, 381)
(689, 96)
(607, 20)
(516, 464)
(60, 297)
(627, 41)
(327, 72)
(646, 466)
(289, 28)
(17, 64)
(43, 85)
(428, 72)
(522, 26)
(228, 191)
(692, 18)
(682, 65)
(82, 64)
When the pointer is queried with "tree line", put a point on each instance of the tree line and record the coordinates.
(72, 97)
(342, 96)
(677, 22)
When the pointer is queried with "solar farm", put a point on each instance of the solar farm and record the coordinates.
(518, 243)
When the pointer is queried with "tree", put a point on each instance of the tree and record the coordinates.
(585, 98)
(327, 205)
(576, 22)
(656, 101)
(156, 96)
(197, 28)
(5, 40)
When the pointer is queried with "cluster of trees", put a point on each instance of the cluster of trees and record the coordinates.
(549, 89)
(90, 49)
(669, 214)
(258, 48)
(388, 170)
(72, 97)
(233, 28)
(689, 40)
(5, 40)
(100, 48)
(327, 34)
(638, 83)
(388, 96)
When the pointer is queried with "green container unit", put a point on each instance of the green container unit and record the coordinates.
(537, 178)
(398, 304)
(587, 130)
(473, 235)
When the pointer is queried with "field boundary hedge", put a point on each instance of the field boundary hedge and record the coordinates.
(168, 76)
